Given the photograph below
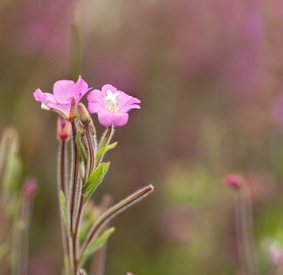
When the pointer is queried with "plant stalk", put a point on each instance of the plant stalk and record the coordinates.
(73, 196)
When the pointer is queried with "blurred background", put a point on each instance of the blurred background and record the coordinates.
(209, 75)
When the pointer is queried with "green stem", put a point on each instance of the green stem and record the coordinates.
(73, 195)
(91, 160)
(62, 186)
(62, 168)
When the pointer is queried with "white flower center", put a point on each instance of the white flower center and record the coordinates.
(112, 103)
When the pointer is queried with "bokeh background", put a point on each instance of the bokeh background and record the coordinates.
(209, 75)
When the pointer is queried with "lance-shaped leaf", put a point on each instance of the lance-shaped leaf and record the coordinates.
(81, 147)
(64, 210)
(95, 179)
(105, 149)
(99, 242)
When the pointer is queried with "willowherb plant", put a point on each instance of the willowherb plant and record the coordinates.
(84, 225)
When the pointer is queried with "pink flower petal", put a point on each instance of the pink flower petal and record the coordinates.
(64, 93)
(108, 87)
(62, 88)
(44, 98)
(96, 96)
(131, 104)
(120, 119)
(105, 118)
(126, 102)
(111, 107)
(62, 107)
(94, 107)
(79, 89)
(38, 95)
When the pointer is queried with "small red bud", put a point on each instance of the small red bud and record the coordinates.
(63, 128)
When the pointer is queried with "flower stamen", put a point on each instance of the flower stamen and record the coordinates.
(111, 100)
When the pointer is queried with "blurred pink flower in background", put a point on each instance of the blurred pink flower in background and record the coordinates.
(29, 188)
(45, 26)
(234, 180)
(215, 42)
(111, 105)
(275, 252)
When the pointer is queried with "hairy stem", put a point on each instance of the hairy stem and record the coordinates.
(91, 161)
(73, 195)
(62, 179)
(62, 167)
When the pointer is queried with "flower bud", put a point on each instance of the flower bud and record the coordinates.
(73, 110)
(80, 128)
(63, 128)
(29, 188)
(84, 114)
(234, 180)
(92, 128)
(82, 169)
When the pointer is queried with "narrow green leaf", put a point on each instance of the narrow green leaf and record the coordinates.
(83, 232)
(81, 147)
(99, 242)
(95, 179)
(105, 149)
(64, 210)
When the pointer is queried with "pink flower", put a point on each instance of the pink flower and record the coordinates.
(29, 188)
(275, 252)
(111, 105)
(65, 97)
(234, 180)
